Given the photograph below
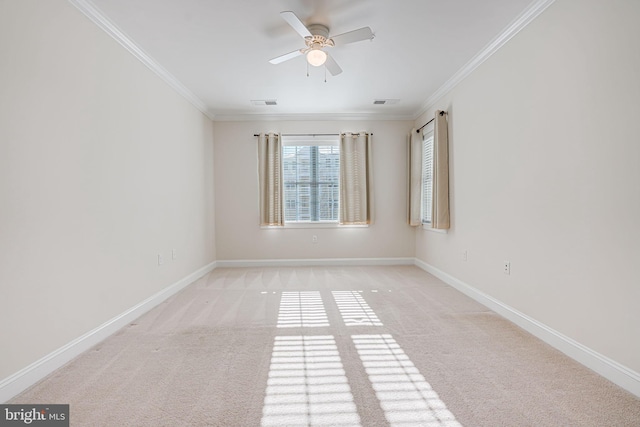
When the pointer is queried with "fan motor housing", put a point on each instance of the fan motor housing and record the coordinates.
(319, 38)
(319, 30)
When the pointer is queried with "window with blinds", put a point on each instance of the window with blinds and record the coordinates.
(311, 180)
(427, 177)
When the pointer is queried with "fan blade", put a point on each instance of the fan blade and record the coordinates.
(332, 66)
(285, 57)
(296, 23)
(363, 33)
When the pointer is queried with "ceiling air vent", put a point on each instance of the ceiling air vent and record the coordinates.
(385, 101)
(264, 102)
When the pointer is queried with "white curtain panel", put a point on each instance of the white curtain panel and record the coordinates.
(356, 190)
(414, 175)
(440, 206)
(270, 179)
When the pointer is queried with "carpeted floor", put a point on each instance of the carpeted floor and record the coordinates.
(343, 346)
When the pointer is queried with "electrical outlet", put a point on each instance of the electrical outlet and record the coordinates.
(314, 239)
(507, 267)
(160, 259)
(465, 255)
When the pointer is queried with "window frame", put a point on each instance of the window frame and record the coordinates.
(427, 138)
(426, 225)
(311, 141)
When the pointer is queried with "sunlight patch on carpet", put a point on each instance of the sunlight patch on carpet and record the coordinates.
(302, 310)
(406, 398)
(307, 385)
(354, 309)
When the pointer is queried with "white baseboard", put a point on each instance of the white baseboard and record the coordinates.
(25, 378)
(327, 262)
(610, 369)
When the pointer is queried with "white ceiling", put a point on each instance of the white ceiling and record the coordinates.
(218, 50)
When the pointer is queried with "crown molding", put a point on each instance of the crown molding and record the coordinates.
(524, 19)
(98, 18)
(95, 15)
(310, 117)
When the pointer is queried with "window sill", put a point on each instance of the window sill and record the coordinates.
(303, 225)
(427, 227)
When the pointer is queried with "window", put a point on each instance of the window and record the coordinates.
(311, 180)
(427, 177)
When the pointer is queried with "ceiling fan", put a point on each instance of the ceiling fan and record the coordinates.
(316, 37)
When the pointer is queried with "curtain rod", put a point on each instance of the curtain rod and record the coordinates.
(312, 134)
(442, 113)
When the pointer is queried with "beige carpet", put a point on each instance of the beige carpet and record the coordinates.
(344, 346)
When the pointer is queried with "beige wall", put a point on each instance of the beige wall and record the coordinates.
(238, 234)
(102, 167)
(545, 173)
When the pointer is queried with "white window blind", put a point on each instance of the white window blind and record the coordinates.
(311, 172)
(427, 177)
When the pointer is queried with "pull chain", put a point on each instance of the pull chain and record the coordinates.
(307, 68)
(325, 74)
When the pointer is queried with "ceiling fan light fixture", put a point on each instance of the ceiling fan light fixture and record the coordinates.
(316, 57)
(316, 37)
